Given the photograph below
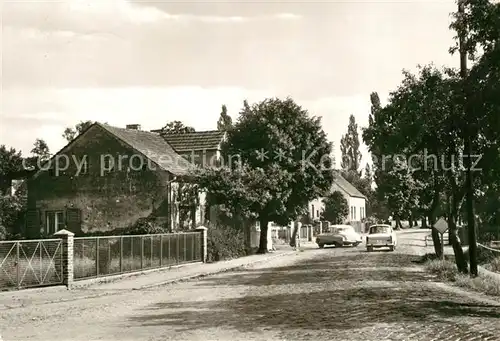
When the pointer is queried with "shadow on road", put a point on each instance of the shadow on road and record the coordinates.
(321, 295)
(349, 267)
(342, 309)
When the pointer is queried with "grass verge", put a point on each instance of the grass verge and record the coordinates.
(446, 270)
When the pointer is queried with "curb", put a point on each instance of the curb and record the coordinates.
(211, 273)
(493, 275)
(158, 284)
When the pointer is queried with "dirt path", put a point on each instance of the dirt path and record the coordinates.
(330, 294)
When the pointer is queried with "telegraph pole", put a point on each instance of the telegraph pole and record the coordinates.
(471, 223)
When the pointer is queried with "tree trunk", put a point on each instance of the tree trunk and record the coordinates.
(460, 260)
(411, 222)
(248, 236)
(398, 223)
(264, 224)
(295, 231)
(424, 223)
(454, 239)
(436, 239)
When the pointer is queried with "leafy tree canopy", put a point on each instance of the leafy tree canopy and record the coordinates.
(225, 121)
(284, 162)
(177, 127)
(336, 208)
(70, 133)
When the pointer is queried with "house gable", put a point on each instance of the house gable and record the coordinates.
(347, 187)
(144, 147)
(133, 188)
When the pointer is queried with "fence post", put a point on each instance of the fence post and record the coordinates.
(67, 254)
(121, 254)
(203, 235)
(18, 273)
(161, 250)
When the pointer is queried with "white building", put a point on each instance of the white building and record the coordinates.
(355, 200)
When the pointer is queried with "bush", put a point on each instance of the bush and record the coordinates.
(3, 231)
(224, 242)
(444, 269)
(494, 265)
(145, 226)
(484, 284)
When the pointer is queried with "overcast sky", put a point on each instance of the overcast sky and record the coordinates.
(148, 62)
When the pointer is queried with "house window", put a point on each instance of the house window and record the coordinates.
(54, 221)
(354, 209)
(317, 213)
(108, 165)
(312, 211)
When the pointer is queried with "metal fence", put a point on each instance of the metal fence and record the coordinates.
(103, 256)
(30, 263)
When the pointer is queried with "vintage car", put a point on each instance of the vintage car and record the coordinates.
(379, 236)
(339, 235)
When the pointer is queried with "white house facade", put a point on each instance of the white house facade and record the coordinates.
(355, 199)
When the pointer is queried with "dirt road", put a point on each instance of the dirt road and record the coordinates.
(329, 294)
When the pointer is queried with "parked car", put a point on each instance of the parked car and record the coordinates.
(381, 235)
(339, 235)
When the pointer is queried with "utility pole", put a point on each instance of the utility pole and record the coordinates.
(471, 223)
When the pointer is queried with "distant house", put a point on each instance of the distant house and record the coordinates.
(355, 200)
(108, 178)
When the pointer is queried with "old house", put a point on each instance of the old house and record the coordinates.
(355, 200)
(106, 179)
(202, 148)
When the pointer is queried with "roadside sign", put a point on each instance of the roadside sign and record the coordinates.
(441, 225)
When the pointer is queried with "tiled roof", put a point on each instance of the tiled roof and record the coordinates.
(152, 146)
(200, 140)
(347, 186)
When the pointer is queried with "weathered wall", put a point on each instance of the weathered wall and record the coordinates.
(120, 197)
(316, 207)
(202, 157)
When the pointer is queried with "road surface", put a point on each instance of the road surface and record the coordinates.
(328, 294)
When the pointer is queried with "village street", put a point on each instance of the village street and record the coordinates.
(328, 294)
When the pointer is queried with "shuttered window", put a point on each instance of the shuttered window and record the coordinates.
(74, 219)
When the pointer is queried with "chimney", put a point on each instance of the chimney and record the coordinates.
(133, 126)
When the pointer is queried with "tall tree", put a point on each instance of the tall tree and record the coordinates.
(11, 162)
(336, 208)
(41, 150)
(368, 174)
(39, 155)
(420, 125)
(71, 133)
(285, 157)
(177, 127)
(225, 121)
(349, 147)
